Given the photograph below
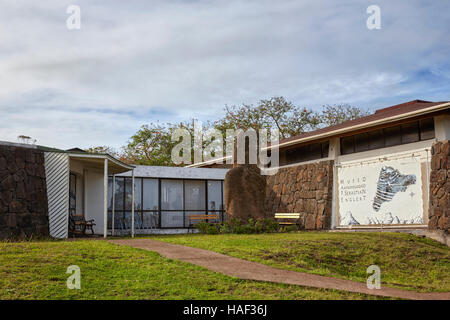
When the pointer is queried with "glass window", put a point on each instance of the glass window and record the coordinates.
(119, 190)
(118, 220)
(361, 142)
(172, 219)
(325, 149)
(151, 194)
(392, 136)
(427, 129)
(171, 194)
(347, 145)
(376, 139)
(128, 193)
(223, 194)
(72, 193)
(410, 132)
(127, 220)
(194, 195)
(214, 195)
(137, 194)
(110, 193)
(150, 220)
(314, 152)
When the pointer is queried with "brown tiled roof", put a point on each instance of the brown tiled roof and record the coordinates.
(379, 114)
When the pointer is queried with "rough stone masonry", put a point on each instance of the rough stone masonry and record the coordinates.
(23, 193)
(439, 208)
(306, 189)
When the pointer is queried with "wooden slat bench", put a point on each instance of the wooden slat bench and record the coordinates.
(287, 218)
(209, 218)
(79, 225)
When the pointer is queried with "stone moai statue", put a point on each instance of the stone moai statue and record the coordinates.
(245, 189)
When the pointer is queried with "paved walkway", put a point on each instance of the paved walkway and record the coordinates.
(244, 269)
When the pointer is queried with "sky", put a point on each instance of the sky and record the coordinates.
(138, 62)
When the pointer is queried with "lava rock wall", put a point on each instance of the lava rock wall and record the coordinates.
(439, 208)
(23, 193)
(304, 189)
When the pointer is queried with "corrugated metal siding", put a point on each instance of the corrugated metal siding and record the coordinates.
(57, 176)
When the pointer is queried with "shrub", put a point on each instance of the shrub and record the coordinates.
(235, 225)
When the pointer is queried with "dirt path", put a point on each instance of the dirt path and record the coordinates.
(244, 269)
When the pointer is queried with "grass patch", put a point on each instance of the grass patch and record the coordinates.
(37, 270)
(406, 261)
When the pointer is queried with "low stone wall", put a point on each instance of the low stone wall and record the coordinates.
(304, 189)
(23, 193)
(439, 208)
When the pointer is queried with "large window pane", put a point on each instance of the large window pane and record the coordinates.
(214, 195)
(410, 132)
(195, 196)
(127, 220)
(150, 220)
(325, 149)
(72, 193)
(151, 194)
(137, 194)
(392, 136)
(137, 220)
(119, 190)
(128, 194)
(223, 194)
(314, 151)
(172, 219)
(110, 193)
(376, 139)
(118, 220)
(172, 194)
(427, 129)
(347, 145)
(361, 142)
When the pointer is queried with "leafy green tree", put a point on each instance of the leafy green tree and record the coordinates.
(104, 149)
(336, 114)
(150, 145)
(274, 113)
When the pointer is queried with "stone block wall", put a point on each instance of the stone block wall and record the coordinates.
(304, 189)
(23, 193)
(439, 206)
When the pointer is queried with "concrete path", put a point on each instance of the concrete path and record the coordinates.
(244, 269)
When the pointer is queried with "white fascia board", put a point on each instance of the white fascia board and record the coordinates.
(102, 156)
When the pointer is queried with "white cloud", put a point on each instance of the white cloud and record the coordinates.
(136, 62)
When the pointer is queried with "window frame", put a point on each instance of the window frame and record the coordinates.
(160, 210)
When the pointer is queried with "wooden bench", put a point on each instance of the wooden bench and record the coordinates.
(78, 224)
(203, 217)
(287, 218)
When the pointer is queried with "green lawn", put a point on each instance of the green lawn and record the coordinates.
(406, 261)
(37, 270)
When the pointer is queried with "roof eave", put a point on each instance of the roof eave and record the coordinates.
(102, 156)
(364, 125)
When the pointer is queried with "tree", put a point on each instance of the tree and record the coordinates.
(104, 149)
(150, 145)
(274, 113)
(336, 114)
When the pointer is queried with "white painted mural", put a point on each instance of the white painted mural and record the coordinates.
(381, 192)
